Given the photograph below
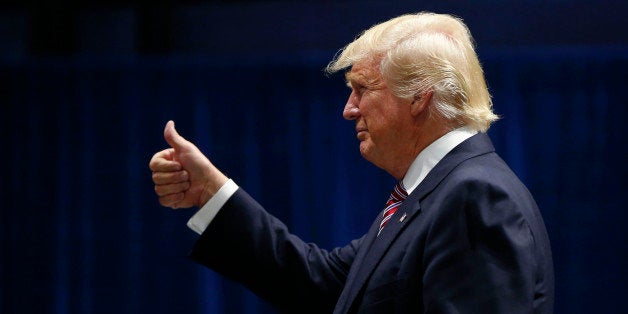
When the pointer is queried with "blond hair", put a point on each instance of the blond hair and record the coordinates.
(424, 52)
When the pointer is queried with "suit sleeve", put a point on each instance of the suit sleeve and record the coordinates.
(250, 246)
(481, 252)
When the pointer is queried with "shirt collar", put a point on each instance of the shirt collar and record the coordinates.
(432, 154)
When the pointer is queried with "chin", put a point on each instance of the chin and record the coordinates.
(365, 150)
(370, 153)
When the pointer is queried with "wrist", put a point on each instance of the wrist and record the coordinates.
(211, 188)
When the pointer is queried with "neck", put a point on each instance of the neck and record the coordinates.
(424, 135)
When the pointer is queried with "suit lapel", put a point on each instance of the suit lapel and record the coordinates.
(374, 247)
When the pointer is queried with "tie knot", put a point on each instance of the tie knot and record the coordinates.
(398, 194)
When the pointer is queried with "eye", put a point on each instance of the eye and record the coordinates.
(357, 87)
(360, 89)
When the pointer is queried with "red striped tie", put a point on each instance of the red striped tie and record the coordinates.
(397, 196)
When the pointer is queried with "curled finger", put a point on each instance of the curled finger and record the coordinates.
(162, 178)
(164, 161)
(167, 189)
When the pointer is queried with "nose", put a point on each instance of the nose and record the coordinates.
(351, 111)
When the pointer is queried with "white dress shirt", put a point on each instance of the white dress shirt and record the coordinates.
(420, 167)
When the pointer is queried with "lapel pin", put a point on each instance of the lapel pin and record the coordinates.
(403, 217)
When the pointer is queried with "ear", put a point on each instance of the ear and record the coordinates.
(420, 102)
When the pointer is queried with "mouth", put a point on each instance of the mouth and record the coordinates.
(361, 133)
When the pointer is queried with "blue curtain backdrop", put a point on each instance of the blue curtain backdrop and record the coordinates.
(82, 232)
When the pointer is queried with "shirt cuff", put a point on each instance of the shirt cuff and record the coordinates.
(206, 214)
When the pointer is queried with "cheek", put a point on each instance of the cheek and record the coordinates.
(371, 111)
(376, 115)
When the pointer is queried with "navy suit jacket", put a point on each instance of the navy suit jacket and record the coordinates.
(468, 239)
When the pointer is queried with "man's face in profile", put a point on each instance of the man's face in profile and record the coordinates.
(380, 116)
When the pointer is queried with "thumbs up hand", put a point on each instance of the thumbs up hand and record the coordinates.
(183, 176)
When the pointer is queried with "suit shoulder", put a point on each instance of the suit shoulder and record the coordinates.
(487, 170)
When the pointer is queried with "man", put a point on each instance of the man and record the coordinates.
(460, 233)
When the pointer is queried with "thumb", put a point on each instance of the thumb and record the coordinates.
(173, 138)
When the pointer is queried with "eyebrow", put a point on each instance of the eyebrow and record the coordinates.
(351, 76)
(348, 76)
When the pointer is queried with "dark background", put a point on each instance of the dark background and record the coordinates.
(85, 91)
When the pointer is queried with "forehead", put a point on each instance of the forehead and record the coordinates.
(367, 71)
